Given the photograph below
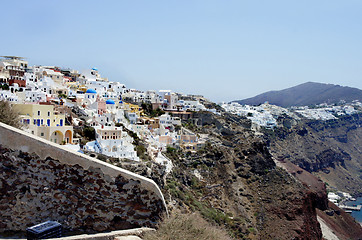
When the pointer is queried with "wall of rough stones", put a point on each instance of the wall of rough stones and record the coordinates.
(84, 197)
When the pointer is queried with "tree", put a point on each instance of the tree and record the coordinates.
(8, 115)
(5, 87)
(148, 110)
(89, 133)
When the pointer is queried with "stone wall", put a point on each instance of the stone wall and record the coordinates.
(47, 182)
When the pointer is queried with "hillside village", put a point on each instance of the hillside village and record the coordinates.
(53, 102)
(266, 115)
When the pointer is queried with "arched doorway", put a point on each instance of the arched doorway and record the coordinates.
(57, 137)
(68, 136)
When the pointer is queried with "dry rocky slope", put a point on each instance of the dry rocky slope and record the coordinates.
(235, 183)
(331, 150)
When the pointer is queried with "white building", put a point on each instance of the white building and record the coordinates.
(166, 119)
(334, 198)
(35, 96)
(46, 84)
(6, 95)
(30, 76)
(90, 97)
(191, 105)
(168, 99)
(93, 75)
(113, 142)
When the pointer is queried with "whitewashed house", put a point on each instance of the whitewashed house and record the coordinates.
(167, 120)
(113, 142)
(6, 95)
(90, 97)
(191, 105)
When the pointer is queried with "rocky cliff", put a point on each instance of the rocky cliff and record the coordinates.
(235, 183)
(329, 149)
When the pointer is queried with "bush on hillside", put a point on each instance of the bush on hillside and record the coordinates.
(8, 115)
(186, 226)
(148, 110)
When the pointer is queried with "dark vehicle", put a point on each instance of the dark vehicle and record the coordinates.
(49, 229)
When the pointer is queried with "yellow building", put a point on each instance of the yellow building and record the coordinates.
(133, 109)
(43, 121)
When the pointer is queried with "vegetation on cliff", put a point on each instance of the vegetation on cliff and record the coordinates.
(186, 226)
(8, 115)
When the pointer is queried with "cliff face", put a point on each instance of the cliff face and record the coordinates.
(330, 149)
(266, 196)
(235, 183)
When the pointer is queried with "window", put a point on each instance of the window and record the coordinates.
(38, 113)
(42, 134)
(48, 114)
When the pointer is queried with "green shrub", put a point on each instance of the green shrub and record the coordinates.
(89, 133)
(148, 110)
(102, 157)
(186, 226)
(8, 115)
(170, 149)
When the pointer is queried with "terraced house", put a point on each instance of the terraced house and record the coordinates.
(43, 121)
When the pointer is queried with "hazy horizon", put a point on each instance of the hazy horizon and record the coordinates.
(222, 50)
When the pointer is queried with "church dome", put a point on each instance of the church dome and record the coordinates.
(90, 91)
(110, 101)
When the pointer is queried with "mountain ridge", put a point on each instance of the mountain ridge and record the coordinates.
(309, 93)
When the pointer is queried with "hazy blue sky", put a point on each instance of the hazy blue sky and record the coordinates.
(225, 50)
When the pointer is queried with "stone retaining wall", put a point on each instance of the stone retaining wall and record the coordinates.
(42, 181)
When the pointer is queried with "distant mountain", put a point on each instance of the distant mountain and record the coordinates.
(306, 94)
